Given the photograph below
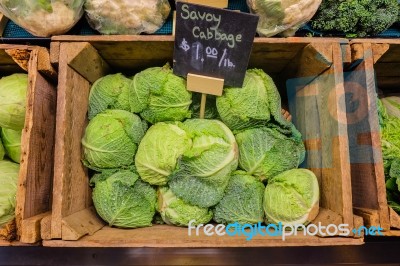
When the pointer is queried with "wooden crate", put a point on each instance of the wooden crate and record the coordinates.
(313, 69)
(375, 65)
(37, 143)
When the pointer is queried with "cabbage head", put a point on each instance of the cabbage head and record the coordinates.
(256, 104)
(265, 152)
(2, 150)
(159, 151)
(43, 17)
(122, 200)
(127, 16)
(9, 172)
(242, 202)
(12, 143)
(109, 92)
(13, 91)
(159, 95)
(111, 139)
(203, 171)
(175, 211)
(292, 197)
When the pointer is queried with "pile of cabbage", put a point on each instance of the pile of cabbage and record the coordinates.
(154, 159)
(13, 90)
(389, 113)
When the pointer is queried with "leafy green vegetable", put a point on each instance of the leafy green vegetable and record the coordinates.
(109, 92)
(9, 172)
(175, 211)
(292, 197)
(2, 150)
(203, 171)
(111, 139)
(242, 202)
(122, 200)
(159, 95)
(265, 152)
(392, 105)
(256, 104)
(356, 18)
(159, 151)
(13, 90)
(12, 143)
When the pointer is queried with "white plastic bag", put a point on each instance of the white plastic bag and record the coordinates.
(282, 17)
(43, 17)
(127, 16)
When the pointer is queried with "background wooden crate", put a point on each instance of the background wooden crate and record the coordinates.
(312, 71)
(375, 65)
(37, 144)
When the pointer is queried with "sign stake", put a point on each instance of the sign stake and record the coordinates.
(203, 105)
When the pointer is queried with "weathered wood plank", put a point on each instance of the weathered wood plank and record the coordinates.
(172, 236)
(31, 229)
(71, 191)
(85, 222)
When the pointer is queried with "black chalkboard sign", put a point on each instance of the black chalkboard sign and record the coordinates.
(213, 42)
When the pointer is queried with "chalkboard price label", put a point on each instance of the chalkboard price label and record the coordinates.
(213, 42)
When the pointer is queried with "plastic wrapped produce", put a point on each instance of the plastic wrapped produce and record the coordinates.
(127, 16)
(282, 17)
(45, 17)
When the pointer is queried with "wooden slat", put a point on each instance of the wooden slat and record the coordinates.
(3, 23)
(368, 180)
(172, 236)
(371, 217)
(85, 222)
(71, 191)
(394, 219)
(44, 65)
(37, 144)
(54, 53)
(45, 227)
(358, 222)
(31, 229)
(85, 60)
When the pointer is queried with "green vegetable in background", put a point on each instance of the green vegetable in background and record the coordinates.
(109, 92)
(111, 139)
(390, 143)
(122, 200)
(159, 151)
(203, 171)
(256, 104)
(12, 143)
(292, 197)
(242, 202)
(265, 152)
(392, 105)
(159, 95)
(356, 18)
(2, 150)
(9, 172)
(13, 91)
(175, 211)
